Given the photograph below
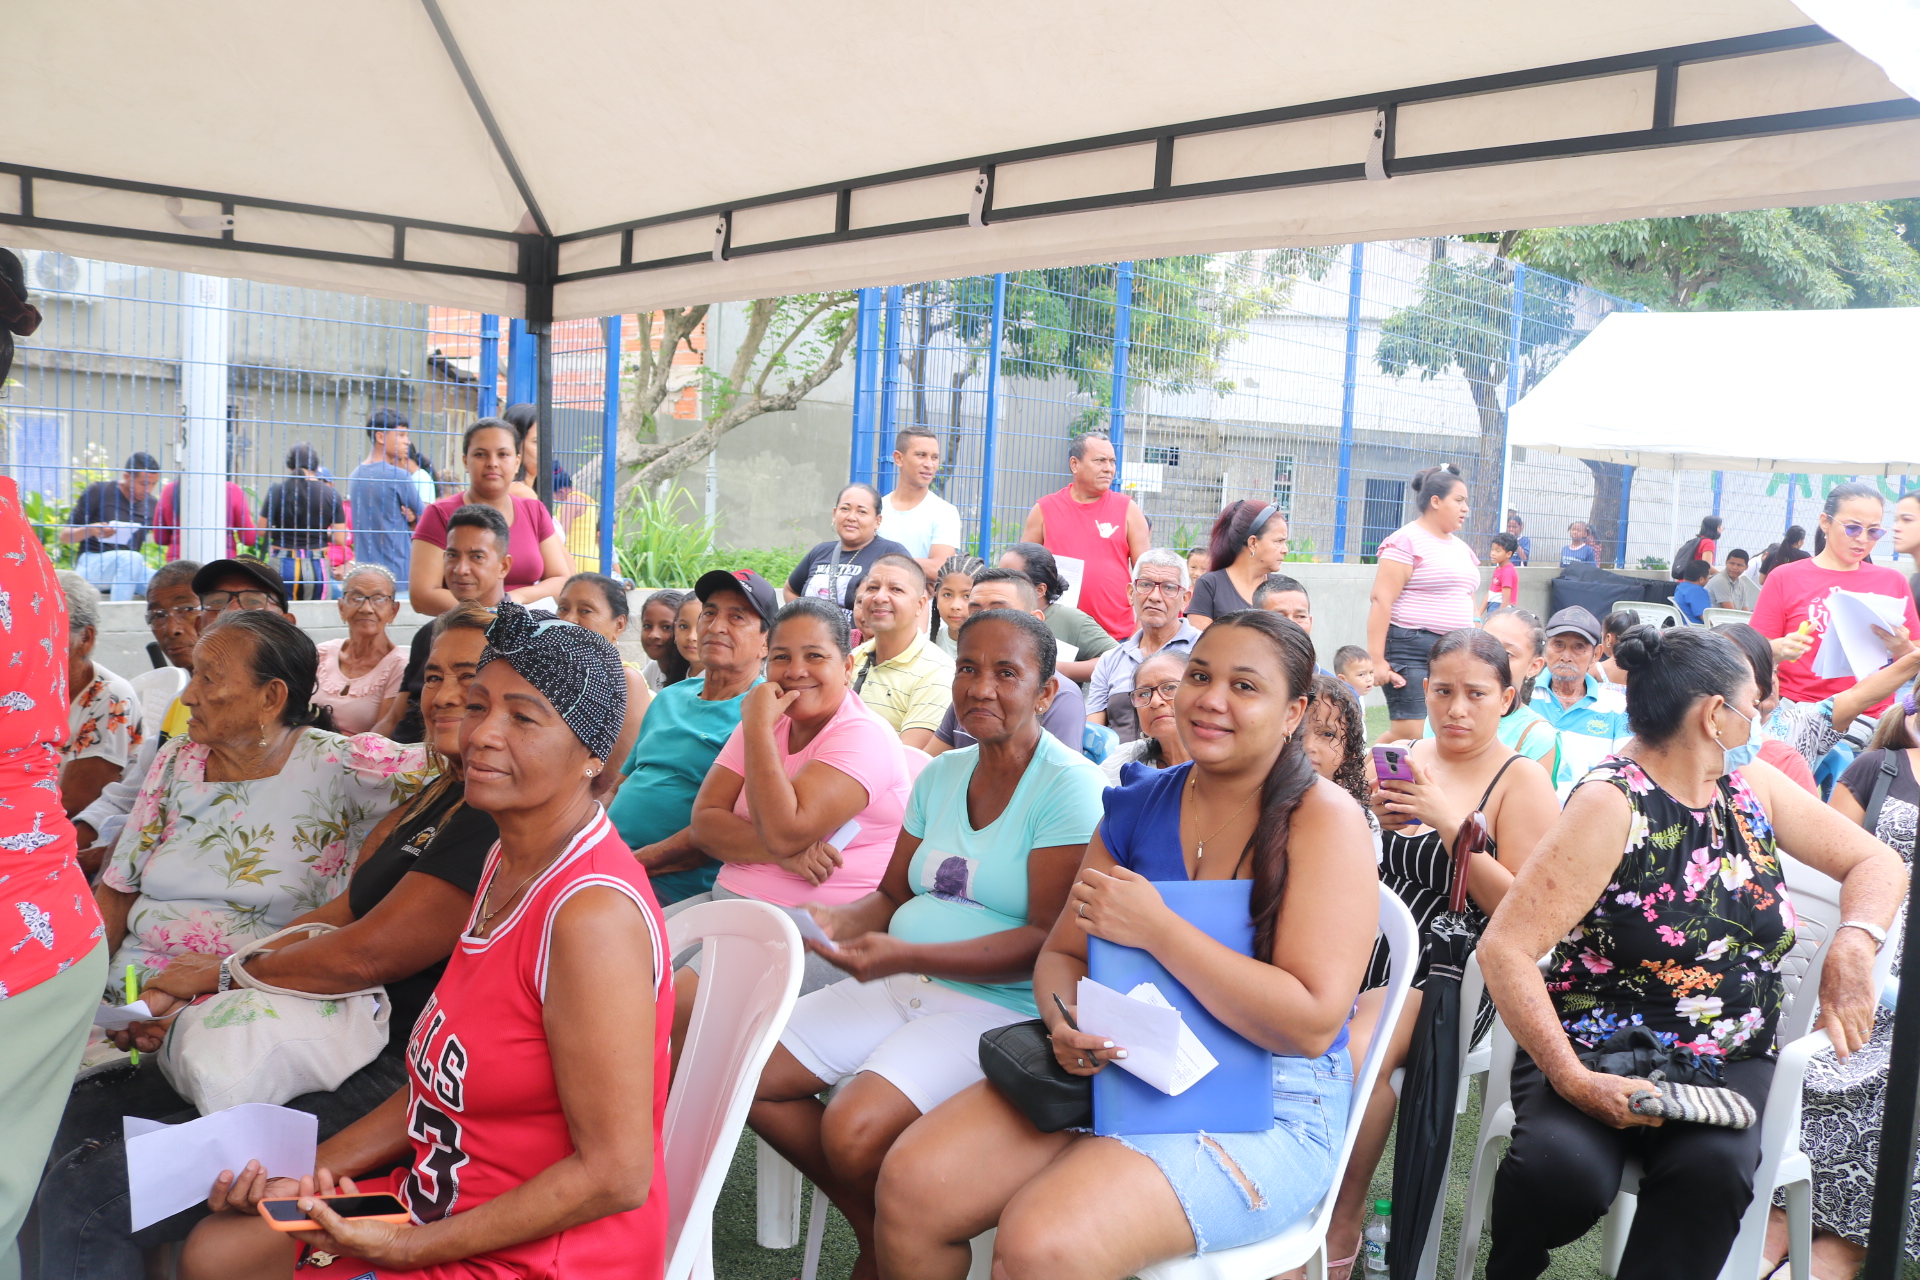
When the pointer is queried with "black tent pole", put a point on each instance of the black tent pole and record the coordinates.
(1893, 1179)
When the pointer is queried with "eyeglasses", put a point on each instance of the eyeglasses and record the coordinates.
(1853, 529)
(218, 601)
(179, 613)
(355, 600)
(1141, 697)
(1147, 587)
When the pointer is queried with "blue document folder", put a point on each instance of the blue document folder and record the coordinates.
(1237, 1095)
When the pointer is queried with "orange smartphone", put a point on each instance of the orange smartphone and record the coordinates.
(287, 1215)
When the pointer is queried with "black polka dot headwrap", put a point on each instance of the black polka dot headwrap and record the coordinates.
(574, 669)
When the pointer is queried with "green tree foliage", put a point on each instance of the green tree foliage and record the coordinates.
(1827, 256)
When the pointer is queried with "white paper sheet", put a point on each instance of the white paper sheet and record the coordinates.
(1161, 1049)
(123, 531)
(1073, 569)
(845, 835)
(1848, 647)
(113, 1017)
(810, 928)
(171, 1167)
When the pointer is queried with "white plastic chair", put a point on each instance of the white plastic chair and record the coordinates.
(750, 966)
(1714, 615)
(1816, 901)
(1305, 1241)
(1658, 615)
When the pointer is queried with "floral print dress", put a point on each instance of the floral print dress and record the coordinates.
(217, 863)
(1687, 938)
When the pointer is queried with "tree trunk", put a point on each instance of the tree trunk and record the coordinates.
(1483, 467)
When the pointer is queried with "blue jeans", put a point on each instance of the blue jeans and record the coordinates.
(118, 574)
(84, 1228)
(1238, 1188)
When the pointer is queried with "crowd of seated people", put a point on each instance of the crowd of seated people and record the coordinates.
(493, 822)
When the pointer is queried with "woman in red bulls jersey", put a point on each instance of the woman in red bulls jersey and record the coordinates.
(527, 1139)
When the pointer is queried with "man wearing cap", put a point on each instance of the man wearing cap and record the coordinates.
(1591, 727)
(476, 570)
(110, 523)
(686, 725)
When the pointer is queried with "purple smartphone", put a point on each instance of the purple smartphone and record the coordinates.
(1393, 764)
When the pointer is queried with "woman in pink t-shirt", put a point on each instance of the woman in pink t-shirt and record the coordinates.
(541, 565)
(804, 802)
(1423, 589)
(1797, 593)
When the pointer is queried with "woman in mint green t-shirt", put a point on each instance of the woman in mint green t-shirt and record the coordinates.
(944, 949)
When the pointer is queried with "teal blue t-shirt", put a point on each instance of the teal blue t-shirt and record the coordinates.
(968, 883)
(678, 741)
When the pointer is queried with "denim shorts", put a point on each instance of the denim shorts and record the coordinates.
(1407, 652)
(1238, 1188)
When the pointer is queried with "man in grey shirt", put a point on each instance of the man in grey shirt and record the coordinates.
(1732, 588)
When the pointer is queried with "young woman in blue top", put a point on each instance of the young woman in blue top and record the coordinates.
(1248, 806)
(944, 950)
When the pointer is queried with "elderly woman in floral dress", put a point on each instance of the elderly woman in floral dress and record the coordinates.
(254, 816)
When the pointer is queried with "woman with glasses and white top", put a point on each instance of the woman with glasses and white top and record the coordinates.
(359, 676)
(1798, 593)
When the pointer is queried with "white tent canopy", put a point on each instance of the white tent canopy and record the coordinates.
(1833, 391)
(582, 157)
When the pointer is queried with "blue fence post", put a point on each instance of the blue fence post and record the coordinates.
(866, 371)
(1626, 507)
(889, 396)
(610, 443)
(1343, 481)
(1719, 481)
(523, 364)
(1793, 486)
(489, 366)
(990, 433)
(1122, 350)
(1516, 349)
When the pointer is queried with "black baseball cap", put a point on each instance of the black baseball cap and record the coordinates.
(261, 572)
(1574, 620)
(756, 589)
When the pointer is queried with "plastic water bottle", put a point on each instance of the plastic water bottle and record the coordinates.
(1373, 1247)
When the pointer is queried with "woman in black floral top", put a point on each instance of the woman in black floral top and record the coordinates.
(1662, 887)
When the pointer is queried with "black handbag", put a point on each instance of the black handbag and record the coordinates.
(1018, 1061)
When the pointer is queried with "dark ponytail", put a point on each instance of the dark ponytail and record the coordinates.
(1288, 781)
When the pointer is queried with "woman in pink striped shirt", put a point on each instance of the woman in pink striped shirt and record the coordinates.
(1423, 589)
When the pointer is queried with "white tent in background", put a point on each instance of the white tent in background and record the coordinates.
(1833, 391)
(583, 157)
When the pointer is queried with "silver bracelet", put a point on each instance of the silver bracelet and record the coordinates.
(1869, 928)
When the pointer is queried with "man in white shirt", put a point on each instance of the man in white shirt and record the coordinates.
(1731, 588)
(914, 516)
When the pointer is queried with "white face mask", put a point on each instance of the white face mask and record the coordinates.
(1746, 752)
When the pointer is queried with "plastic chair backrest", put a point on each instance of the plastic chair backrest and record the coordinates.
(1714, 615)
(1653, 614)
(1097, 742)
(750, 967)
(1816, 904)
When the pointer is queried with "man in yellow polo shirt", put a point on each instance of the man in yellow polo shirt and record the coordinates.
(902, 677)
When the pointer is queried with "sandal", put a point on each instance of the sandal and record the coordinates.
(1335, 1266)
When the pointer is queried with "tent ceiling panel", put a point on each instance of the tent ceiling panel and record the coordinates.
(396, 148)
(1730, 391)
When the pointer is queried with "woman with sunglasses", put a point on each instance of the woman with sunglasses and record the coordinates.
(1853, 521)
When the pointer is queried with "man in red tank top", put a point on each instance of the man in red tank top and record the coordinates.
(1100, 528)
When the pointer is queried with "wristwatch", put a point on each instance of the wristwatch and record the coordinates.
(226, 974)
(1867, 927)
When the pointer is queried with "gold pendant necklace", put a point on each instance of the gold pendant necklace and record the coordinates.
(1200, 846)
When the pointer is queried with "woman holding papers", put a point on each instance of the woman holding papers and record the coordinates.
(804, 802)
(1798, 594)
(1462, 769)
(529, 1132)
(1247, 807)
(943, 950)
